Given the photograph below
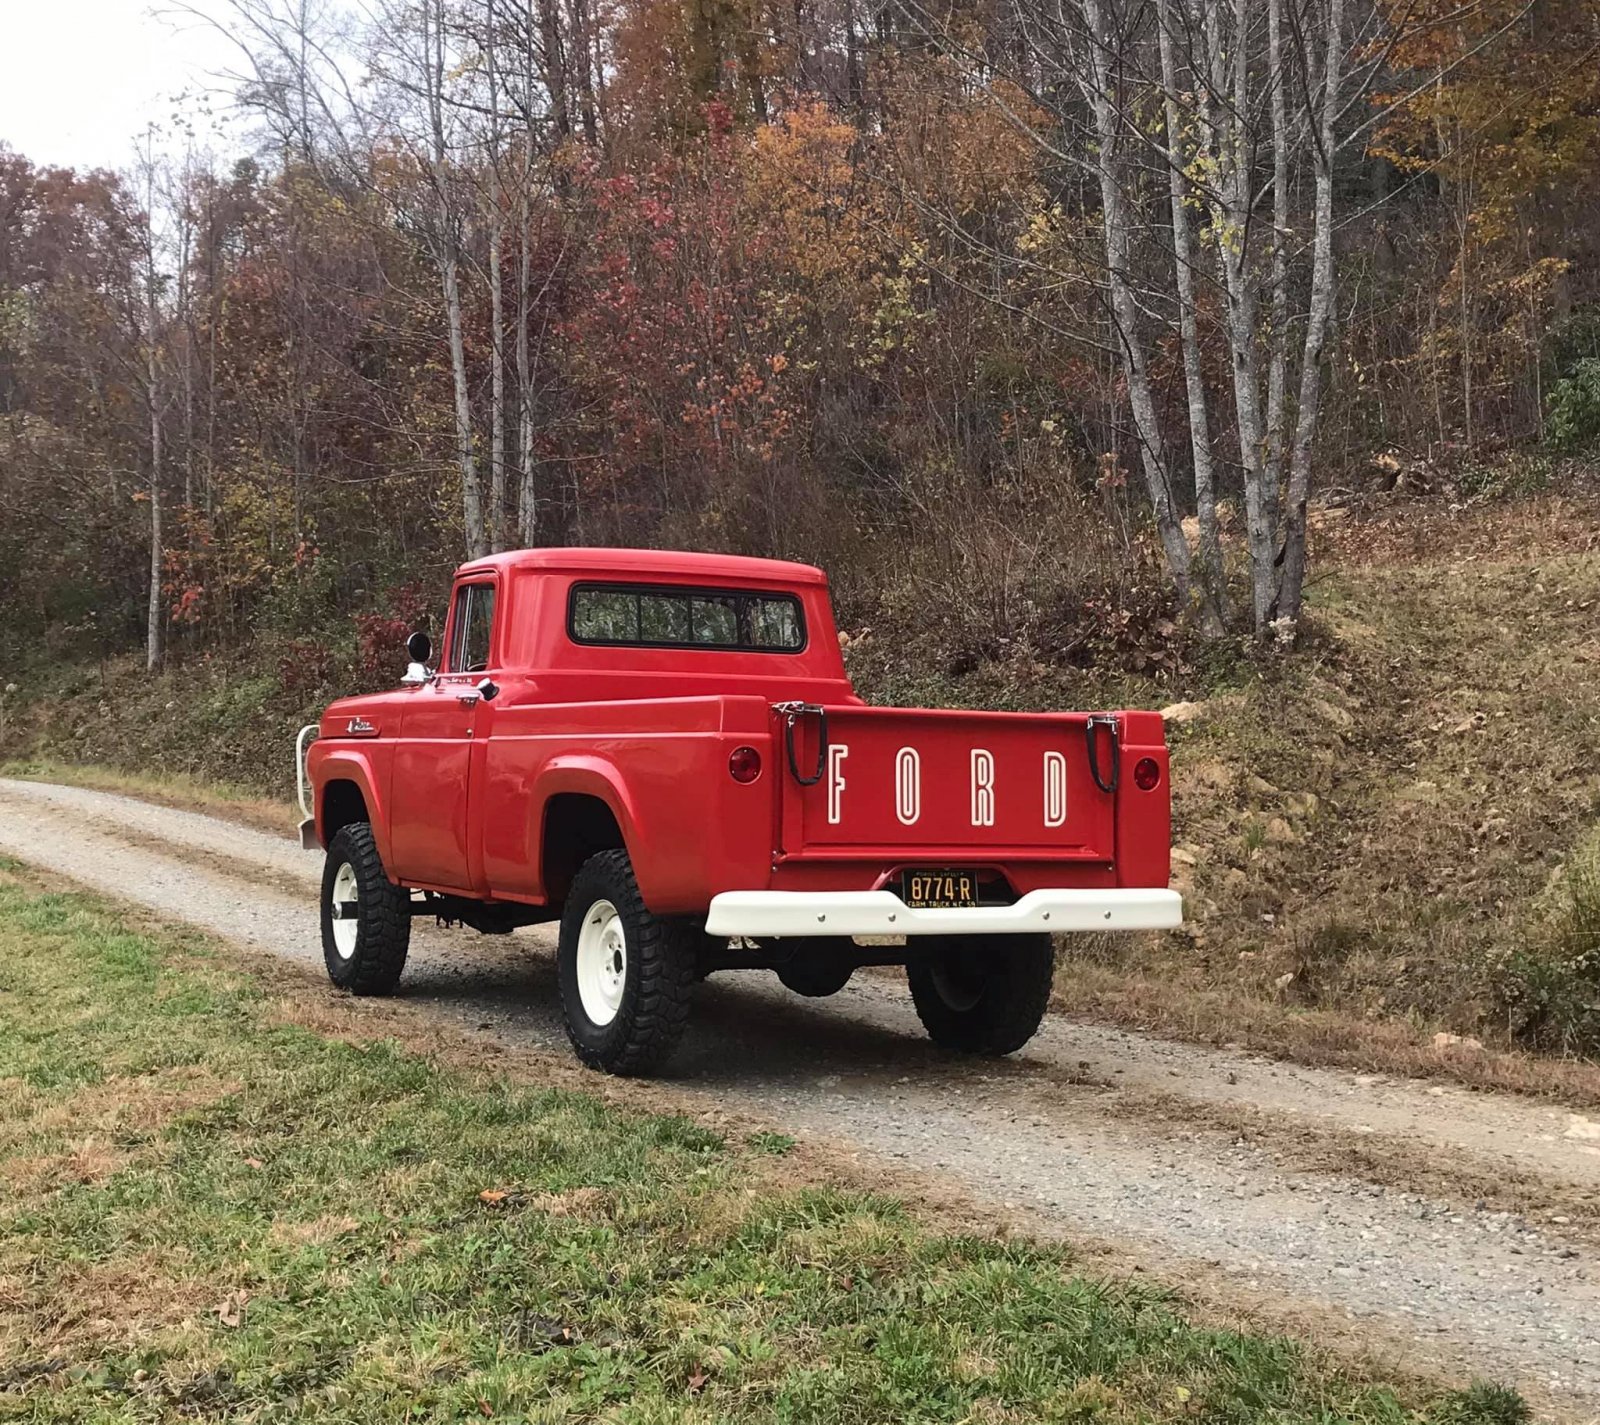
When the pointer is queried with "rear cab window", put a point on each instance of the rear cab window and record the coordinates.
(657, 616)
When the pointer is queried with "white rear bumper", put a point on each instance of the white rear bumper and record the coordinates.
(777, 913)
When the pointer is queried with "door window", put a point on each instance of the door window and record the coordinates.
(474, 622)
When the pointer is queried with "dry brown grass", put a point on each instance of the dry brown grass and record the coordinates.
(62, 1306)
(94, 1131)
(1220, 1015)
(168, 789)
(318, 1232)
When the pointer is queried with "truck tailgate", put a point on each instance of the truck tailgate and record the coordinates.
(930, 785)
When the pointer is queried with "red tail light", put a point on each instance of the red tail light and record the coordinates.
(744, 764)
(1147, 774)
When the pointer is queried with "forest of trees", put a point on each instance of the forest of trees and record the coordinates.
(991, 308)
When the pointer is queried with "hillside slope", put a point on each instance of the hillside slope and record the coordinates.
(1391, 823)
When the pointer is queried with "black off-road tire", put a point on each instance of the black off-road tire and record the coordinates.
(383, 921)
(982, 994)
(821, 966)
(662, 969)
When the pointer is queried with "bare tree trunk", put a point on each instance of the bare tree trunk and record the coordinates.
(153, 630)
(1231, 214)
(185, 315)
(497, 318)
(152, 319)
(1278, 348)
(1213, 595)
(1320, 310)
(555, 69)
(852, 59)
(583, 39)
(527, 487)
(446, 248)
(1124, 309)
(471, 490)
(211, 346)
(1464, 226)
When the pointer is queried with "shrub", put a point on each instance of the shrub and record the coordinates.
(1570, 340)
(304, 666)
(1551, 987)
(380, 640)
(1575, 406)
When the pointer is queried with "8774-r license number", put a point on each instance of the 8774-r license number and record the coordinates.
(931, 889)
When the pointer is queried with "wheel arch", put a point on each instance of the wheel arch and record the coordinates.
(581, 810)
(347, 792)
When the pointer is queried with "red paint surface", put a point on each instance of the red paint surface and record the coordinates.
(458, 788)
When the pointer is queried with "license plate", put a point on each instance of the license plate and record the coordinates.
(928, 889)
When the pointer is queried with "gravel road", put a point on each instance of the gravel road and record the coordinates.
(1093, 1132)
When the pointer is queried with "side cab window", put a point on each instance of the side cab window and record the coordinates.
(471, 628)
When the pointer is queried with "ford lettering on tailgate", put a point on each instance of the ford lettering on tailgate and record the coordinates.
(929, 780)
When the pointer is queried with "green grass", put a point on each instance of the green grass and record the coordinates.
(208, 1213)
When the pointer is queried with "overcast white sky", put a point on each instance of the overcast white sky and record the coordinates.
(80, 79)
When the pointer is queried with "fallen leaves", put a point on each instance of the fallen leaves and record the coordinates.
(230, 1310)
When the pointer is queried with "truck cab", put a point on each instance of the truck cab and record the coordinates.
(663, 751)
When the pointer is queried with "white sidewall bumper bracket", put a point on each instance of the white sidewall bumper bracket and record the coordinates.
(786, 913)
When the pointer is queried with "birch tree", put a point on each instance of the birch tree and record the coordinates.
(443, 236)
(1254, 98)
(151, 339)
(1213, 571)
(497, 316)
(297, 75)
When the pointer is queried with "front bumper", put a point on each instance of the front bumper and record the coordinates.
(780, 913)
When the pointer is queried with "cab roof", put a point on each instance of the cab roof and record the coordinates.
(671, 564)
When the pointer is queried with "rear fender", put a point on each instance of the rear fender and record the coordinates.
(586, 774)
(327, 764)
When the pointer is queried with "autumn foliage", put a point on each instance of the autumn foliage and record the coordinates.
(786, 281)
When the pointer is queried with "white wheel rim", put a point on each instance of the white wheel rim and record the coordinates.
(346, 891)
(602, 963)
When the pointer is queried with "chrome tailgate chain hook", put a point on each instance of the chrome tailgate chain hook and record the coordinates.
(791, 714)
(1105, 720)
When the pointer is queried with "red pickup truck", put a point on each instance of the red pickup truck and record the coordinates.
(663, 751)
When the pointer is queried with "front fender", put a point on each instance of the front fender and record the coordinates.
(327, 763)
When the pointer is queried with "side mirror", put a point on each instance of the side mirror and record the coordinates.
(419, 648)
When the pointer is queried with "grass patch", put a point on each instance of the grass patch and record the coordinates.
(211, 1214)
